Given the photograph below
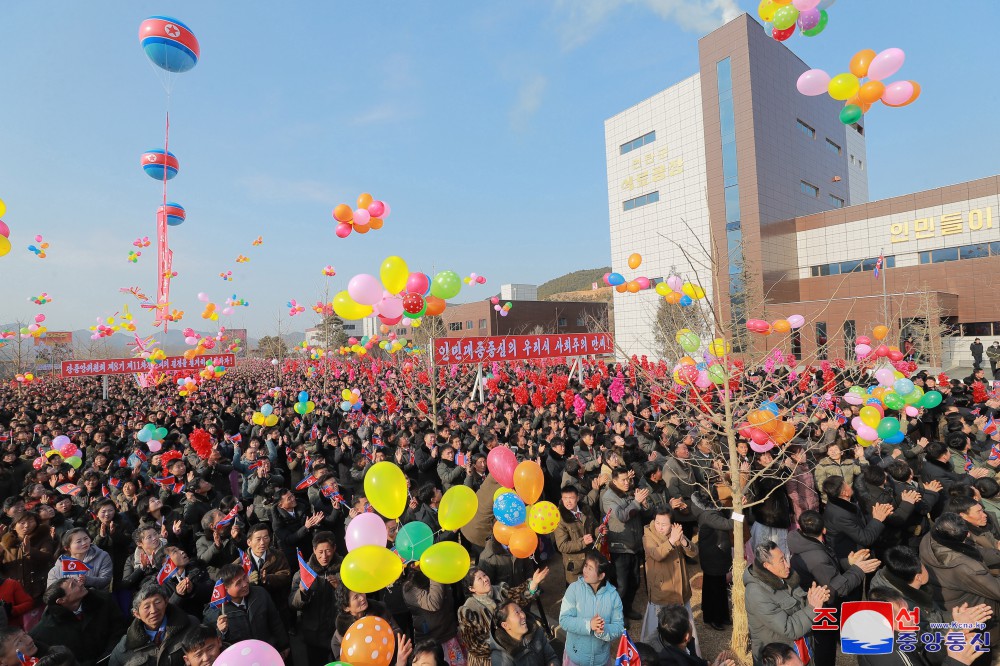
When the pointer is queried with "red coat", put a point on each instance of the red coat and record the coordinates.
(12, 592)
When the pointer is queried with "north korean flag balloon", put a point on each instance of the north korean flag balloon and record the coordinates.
(154, 161)
(169, 43)
(175, 213)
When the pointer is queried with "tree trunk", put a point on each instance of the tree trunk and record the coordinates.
(739, 642)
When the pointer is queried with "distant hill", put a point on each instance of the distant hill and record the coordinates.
(575, 281)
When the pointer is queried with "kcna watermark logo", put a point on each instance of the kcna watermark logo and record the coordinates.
(870, 627)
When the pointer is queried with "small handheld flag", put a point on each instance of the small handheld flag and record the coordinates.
(228, 518)
(219, 595)
(306, 575)
(245, 561)
(306, 482)
(166, 571)
(991, 427)
(72, 566)
(627, 654)
(27, 661)
(69, 489)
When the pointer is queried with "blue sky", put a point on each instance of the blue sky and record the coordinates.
(480, 123)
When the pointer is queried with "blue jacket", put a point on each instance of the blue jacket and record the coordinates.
(579, 605)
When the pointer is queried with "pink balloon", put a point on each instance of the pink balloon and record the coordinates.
(885, 377)
(376, 208)
(796, 321)
(804, 5)
(853, 399)
(911, 411)
(366, 529)
(365, 289)
(361, 217)
(343, 230)
(385, 211)
(4, 229)
(762, 448)
(703, 380)
(418, 283)
(390, 307)
(605, 278)
(863, 350)
(643, 282)
(39, 318)
(154, 446)
(867, 432)
(61, 440)
(885, 64)
(897, 93)
(249, 653)
(813, 82)
(501, 463)
(203, 297)
(675, 283)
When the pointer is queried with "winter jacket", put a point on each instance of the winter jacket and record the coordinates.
(101, 570)
(138, 568)
(915, 598)
(814, 561)
(194, 601)
(317, 606)
(935, 470)
(478, 530)
(680, 478)
(500, 565)
(450, 474)
(802, 493)
(847, 528)
(532, 650)
(90, 636)
(342, 623)
(666, 568)
(433, 610)
(569, 539)
(290, 532)
(476, 614)
(625, 523)
(777, 611)
(117, 544)
(215, 557)
(275, 576)
(258, 618)
(135, 648)
(825, 468)
(579, 605)
(28, 564)
(715, 532)
(20, 602)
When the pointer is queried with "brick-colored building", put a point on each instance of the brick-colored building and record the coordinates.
(525, 317)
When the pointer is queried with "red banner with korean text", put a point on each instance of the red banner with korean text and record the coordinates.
(452, 351)
(125, 366)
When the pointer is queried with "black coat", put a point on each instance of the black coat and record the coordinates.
(935, 470)
(317, 606)
(135, 648)
(847, 529)
(814, 561)
(91, 636)
(259, 620)
(715, 545)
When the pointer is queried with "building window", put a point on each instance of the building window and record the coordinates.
(859, 129)
(806, 129)
(977, 329)
(482, 323)
(833, 147)
(939, 256)
(821, 340)
(850, 332)
(562, 322)
(836, 202)
(860, 165)
(734, 229)
(807, 189)
(468, 325)
(852, 160)
(580, 321)
(797, 344)
(974, 251)
(647, 138)
(652, 197)
(455, 326)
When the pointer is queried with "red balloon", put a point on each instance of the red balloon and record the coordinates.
(688, 373)
(882, 351)
(782, 35)
(863, 340)
(413, 303)
(745, 430)
(895, 356)
(759, 436)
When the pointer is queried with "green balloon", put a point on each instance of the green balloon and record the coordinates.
(818, 28)
(717, 374)
(338, 663)
(931, 400)
(850, 114)
(893, 401)
(785, 17)
(413, 539)
(446, 284)
(914, 396)
(690, 342)
(887, 427)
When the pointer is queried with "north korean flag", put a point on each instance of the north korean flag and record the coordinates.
(72, 566)
(219, 594)
(228, 518)
(165, 481)
(169, 569)
(306, 482)
(306, 575)
(255, 464)
(27, 661)
(69, 489)
(245, 561)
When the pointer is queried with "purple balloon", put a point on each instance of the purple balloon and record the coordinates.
(808, 19)
(813, 82)
(675, 283)
(885, 64)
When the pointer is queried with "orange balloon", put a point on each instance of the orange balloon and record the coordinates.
(673, 298)
(781, 326)
(523, 541)
(771, 424)
(783, 433)
(364, 200)
(758, 416)
(880, 331)
(687, 360)
(435, 306)
(369, 642)
(622, 288)
(529, 481)
(913, 97)
(860, 63)
(633, 286)
(634, 260)
(856, 101)
(871, 92)
(502, 533)
(375, 222)
(343, 213)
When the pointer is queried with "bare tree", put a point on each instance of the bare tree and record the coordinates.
(928, 328)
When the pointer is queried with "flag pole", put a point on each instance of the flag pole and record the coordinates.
(885, 297)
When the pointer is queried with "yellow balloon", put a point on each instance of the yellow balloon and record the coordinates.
(446, 562)
(870, 416)
(718, 347)
(4, 245)
(680, 334)
(765, 10)
(368, 569)
(662, 289)
(543, 517)
(457, 508)
(347, 308)
(258, 418)
(501, 491)
(346, 394)
(844, 86)
(271, 420)
(3, 208)
(394, 273)
(385, 489)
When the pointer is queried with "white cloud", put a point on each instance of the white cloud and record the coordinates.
(586, 17)
(380, 114)
(529, 99)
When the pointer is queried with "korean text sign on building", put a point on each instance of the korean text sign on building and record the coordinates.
(452, 351)
(125, 366)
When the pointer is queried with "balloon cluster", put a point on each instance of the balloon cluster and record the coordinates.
(265, 417)
(141, 242)
(520, 516)
(781, 17)
(175, 315)
(369, 215)
(39, 249)
(304, 405)
(777, 326)
(764, 428)
(474, 279)
(865, 348)
(4, 231)
(894, 391)
(240, 259)
(209, 311)
(26, 378)
(258, 241)
(370, 566)
(235, 303)
(211, 371)
(226, 275)
(677, 292)
(859, 96)
(35, 330)
(186, 385)
(65, 449)
(41, 299)
(152, 435)
(328, 271)
(711, 371)
(502, 309)
(394, 343)
(133, 256)
(351, 400)
(401, 293)
(294, 308)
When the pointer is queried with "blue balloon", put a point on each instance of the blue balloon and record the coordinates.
(615, 279)
(701, 366)
(686, 300)
(510, 510)
(356, 406)
(873, 401)
(266, 410)
(894, 439)
(303, 396)
(169, 43)
(345, 405)
(770, 406)
(903, 386)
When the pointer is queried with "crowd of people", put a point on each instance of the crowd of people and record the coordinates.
(138, 555)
